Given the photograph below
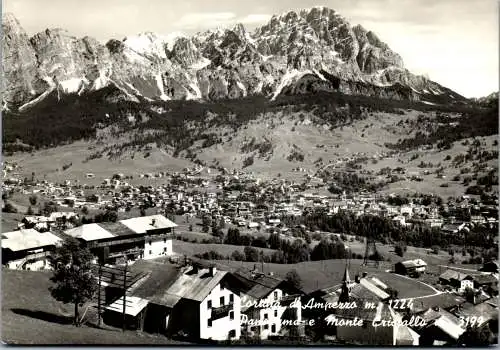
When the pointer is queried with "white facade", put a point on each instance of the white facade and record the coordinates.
(464, 284)
(156, 247)
(222, 328)
(267, 321)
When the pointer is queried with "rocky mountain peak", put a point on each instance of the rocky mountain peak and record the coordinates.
(295, 51)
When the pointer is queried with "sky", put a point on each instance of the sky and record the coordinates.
(453, 42)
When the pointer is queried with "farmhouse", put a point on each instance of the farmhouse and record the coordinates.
(137, 238)
(27, 249)
(458, 280)
(266, 301)
(410, 267)
(199, 303)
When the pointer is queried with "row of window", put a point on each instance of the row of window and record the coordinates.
(164, 250)
(164, 241)
(231, 317)
(275, 315)
(222, 301)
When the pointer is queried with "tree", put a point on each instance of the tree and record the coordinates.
(72, 276)
(49, 208)
(251, 254)
(143, 211)
(9, 208)
(85, 210)
(294, 279)
(33, 199)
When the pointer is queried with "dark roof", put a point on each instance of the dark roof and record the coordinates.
(443, 300)
(117, 228)
(452, 274)
(257, 286)
(485, 279)
(160, 278)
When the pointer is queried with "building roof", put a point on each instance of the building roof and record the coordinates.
(485, 310)
(160, 279)
(257, 286)
(170, 288)
(143, 224)
(442, 300)
(381, 312)
(452, 274)
(89, 232)
(485, 279)
(449, 325)
(413, 263)
(117, 228)
(133, 305)
(28, 239)
(373, 289)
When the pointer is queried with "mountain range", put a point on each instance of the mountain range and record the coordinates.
(296, 52)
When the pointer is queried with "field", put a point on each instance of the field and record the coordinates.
(31, 316)
(323, 274)
(191, 249)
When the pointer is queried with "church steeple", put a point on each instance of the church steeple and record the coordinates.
(347, 278)
(346, 285)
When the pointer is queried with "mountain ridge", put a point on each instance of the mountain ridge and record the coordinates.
(296, 52)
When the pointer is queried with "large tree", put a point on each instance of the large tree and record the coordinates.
(73, 279)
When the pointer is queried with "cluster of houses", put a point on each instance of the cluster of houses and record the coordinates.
(144, 237)
(200, 301)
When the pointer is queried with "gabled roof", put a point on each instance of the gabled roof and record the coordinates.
(133, 305)
(145, 223)
(450, 326)
(117, 228)
(196, 286)
(28, 239)
(257, 286)
(452, 274)
(442, 300)
(89, 232)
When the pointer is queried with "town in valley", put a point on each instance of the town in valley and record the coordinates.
(286, 180)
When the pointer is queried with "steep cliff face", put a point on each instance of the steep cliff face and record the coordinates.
(19, 66)
(296, 52)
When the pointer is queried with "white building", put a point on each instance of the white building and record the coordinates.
(27, 249)
(266, 305)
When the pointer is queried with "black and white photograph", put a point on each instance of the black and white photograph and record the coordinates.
(250, 173)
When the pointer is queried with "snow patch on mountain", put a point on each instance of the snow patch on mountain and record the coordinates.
(287, 79)
(203, 63)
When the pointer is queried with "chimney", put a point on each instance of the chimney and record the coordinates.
(213, 271)
(356, 278)
(271, 273)
(365, 274)
(194, 268)
(153, 222)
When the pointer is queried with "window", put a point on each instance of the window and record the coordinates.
(266, 326)
(150, 252)
(149, 242)
(165, 250)
(273, 328)
(209, 322)
(275, 313)
(164, 240)
(265, 317)
(276, 295)
(232, 333)
(209, 304)
(221, 301)
(231, 315)
(231, 298)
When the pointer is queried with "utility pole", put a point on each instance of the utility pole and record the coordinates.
(124, 293)
(99, 297)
